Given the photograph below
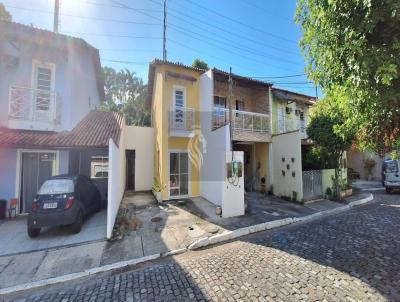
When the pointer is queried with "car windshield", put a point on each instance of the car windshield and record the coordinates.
(391, 166)
(57, 186)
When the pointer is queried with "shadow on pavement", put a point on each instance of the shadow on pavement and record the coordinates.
(363, 243)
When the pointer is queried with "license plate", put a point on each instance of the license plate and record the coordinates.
(50, 205)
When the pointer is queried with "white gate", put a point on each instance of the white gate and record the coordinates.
(312, 184)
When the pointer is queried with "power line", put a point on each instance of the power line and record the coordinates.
(241, 23)
(250, 3)
(179, 29)
(243, 57)
(125, 62)
(233, 33)
(116, 6)
(233, 43)
(111, 35)
(281, 77)
(85, 17)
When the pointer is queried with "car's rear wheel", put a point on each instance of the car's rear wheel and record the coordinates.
(77, 225)
(33, 232)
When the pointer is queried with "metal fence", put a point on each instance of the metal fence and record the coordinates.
(312, 184)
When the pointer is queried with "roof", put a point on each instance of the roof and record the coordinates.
(247, 80)
(294, 96)
(157, 62)
(56, 40)
(93, 131)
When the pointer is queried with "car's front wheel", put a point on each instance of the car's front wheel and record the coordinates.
(33, 232)
(77, 225)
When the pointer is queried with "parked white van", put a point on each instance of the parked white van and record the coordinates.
(391, 175)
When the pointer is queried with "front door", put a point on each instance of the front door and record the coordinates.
(36, 168)
(178, 174)
(130, 170)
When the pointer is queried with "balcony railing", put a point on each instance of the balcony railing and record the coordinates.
(293, 124)
(182, 119)
(242, 120)
(34, 105)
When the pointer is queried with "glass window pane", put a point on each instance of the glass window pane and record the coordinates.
(174, 181)
(184, 162)
(173, 163)
(184, 184)
(57, 186)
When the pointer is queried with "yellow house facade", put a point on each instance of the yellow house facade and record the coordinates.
(176, 121)
(191, 111)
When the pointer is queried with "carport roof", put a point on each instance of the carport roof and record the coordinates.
(94, 130)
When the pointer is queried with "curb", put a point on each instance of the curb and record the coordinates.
(202, 242)
(272, 225)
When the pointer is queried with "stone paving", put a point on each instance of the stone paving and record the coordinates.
(351, 256)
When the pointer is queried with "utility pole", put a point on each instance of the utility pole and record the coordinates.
(165, 32)
(56, 15)
(230, 82)
(316, 91)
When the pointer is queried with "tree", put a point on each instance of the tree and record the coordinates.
(200, 64)
(4, 14)
(124, 92)
(355, 45)
(330, 132)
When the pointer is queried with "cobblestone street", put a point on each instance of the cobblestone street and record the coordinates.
(351, 256)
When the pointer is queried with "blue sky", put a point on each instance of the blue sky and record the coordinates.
(258, 38)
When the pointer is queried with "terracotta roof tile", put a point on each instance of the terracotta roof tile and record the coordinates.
(94, 130)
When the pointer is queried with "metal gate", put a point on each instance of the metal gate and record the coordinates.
(312, 184)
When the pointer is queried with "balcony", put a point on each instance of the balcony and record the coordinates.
(33, 109)
(293, 124)
(182, 122)
(242, 120)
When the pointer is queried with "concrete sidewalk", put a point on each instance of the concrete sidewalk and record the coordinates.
(182, 224)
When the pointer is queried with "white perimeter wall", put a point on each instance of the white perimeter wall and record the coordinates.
(233, 194)
(213, 168)
(141, 139)
(116, 180)
(287, 146)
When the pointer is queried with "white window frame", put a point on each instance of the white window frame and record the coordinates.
(179, 88)
(35, 65)
(189, 173)
(102, 165)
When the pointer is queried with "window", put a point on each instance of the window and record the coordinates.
(99, 167)
(220, 115)
(179, 95)
(43, 82)
(57, 186)
(219, 101)
(239, 105)
(302, 115)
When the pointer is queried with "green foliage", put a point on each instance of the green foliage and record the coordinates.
(355, 45)
(394, 155)
(329, 130)
(4, 14)
(317, 158)
(126, 93)
(200, 64)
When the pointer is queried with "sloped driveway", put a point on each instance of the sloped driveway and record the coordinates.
(15, 239)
